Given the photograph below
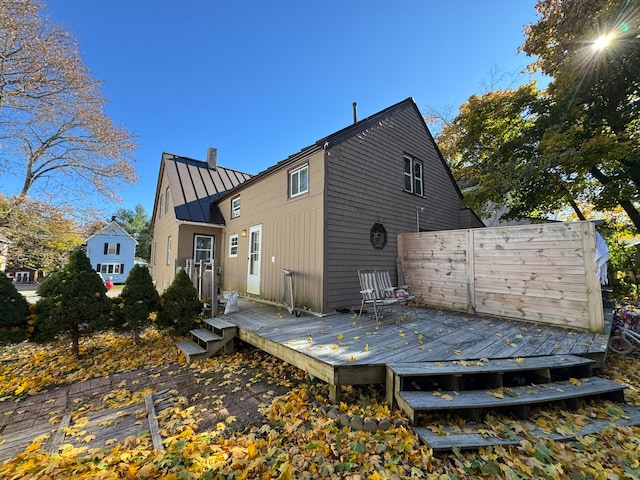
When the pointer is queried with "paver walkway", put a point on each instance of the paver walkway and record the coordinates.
(23, 420)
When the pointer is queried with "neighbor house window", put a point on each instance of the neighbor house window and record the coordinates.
(160, 206)
(166, 200)
(203, 248)
(169, 250)
(155, 252)
(233, 245)
(299, 181)
(111, 268)
(235, 207)
(112, 249)
(412, 175)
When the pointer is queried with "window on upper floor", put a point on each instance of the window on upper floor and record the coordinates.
(299, 181)
(233, 245)
(160, 206)
(169, 250)
(413, 176)
(166, 200)
(203, 248)
(235, 207)
(111, 248)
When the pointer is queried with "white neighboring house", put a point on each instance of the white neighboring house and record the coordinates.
(112, 252)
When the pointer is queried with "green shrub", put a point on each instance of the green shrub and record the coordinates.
(180, 306)
(15, 312)
(73, 300)
(139, 298)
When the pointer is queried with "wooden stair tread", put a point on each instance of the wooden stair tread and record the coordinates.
(190, 348)
(205, 335)
(538, 393)
(449, 438)
(218, 323)
(498, 365)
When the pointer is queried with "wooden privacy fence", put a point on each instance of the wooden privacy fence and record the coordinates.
(541, 273)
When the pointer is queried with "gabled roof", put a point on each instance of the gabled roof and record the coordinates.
(194, 187)
(348, 132)
(112, 224)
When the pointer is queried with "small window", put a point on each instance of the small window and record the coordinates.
(413, 176)
(160, 206)
(112, 249)
(166, 200)
(235, 207)
(299, 181)
(233, 245)
(203, 248)
(169, 250)
(155, 252)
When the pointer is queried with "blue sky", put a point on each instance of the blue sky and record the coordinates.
(259, 80)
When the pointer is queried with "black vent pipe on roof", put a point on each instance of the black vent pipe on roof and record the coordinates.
(355, 112)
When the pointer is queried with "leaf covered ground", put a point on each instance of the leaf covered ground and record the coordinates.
(288, 435)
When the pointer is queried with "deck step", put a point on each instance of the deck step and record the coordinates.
(190, 348)
(204, 335)
(467, 374)
(478, 436)
(219, 326)
(473, 402)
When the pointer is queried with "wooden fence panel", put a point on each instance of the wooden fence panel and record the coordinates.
(542, 273)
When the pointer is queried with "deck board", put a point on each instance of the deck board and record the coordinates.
(340, 343)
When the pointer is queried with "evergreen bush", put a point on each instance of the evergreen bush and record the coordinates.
(139, 298)
(73, 300)
(181, 307)
(15, 312)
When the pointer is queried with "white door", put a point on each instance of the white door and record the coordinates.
(255, 248)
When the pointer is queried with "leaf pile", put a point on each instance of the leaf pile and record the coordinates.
(295, 440)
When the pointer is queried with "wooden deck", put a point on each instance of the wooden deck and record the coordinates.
(341, 350)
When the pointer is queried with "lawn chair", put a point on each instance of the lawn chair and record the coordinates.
(376, 290)
(400, 293)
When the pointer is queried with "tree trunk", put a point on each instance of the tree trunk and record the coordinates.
(626, 204)
(75, 341)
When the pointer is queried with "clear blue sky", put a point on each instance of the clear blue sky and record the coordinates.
(259, 80)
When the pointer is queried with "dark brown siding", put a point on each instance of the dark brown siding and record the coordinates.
(365, 181)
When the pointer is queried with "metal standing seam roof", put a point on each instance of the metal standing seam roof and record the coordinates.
(194, 187)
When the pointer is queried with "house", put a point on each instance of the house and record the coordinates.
(22, 275)
(111, 252)
(335, 207)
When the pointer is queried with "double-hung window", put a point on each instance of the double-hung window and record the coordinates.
(299, 181)
(111, 248)
(233, 245)
(169, 250)
(203, 248)
(413, 176)
(235, 207)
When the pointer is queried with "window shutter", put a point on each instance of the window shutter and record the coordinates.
(106, 248)
(117, 249)
(98, 268)
(121, 268)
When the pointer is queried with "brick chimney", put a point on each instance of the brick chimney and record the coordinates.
(212, 158)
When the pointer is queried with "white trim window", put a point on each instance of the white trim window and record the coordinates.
(235, 207)
(169, 250)
(203, 248)
(166, 200)
(299, 181)
(413, 176)
(233, 245)
(111, 268)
